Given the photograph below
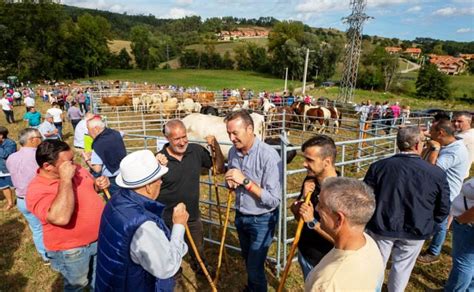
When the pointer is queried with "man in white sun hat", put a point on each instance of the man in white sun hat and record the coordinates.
(136, 250)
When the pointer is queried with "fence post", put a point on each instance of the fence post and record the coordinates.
(282, 222)
(359, 145)
(343, 158)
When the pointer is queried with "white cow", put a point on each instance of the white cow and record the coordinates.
(267, 105)
(198, 126)
(189, 106)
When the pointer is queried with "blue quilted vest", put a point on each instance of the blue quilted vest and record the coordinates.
(122, 216)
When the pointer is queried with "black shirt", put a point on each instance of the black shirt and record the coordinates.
(312, 245)
(181, 183)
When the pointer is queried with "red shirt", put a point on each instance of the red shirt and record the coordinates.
(83, 228)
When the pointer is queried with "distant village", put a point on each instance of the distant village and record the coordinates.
(243, 33)
(447, 64)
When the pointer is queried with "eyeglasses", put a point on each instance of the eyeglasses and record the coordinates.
(39, 137)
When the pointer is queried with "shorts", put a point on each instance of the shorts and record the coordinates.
(5, 182)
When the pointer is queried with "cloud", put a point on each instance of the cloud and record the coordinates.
(184, 2)
(464, 30)
(175, 13)
(376, 3)
(311, 6)
(414, 9)
(450, 11)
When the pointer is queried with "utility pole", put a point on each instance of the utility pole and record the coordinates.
(305, 71)
(286, 78)
(353, 48)
(167, 53)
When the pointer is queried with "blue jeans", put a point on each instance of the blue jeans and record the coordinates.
(306, 267)
(74, 264)
(438, 238)
(35, 227)
(255, 236)
(462, 272)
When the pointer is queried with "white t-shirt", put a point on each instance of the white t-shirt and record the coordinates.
(348, 270)
(458, 206)
(468, 139)
(79, 132)
(6, 106)
(56, 113)
(29, 102)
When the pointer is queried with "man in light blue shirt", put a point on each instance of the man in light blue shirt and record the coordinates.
(47, 128)
(453, 158)
(255, 175)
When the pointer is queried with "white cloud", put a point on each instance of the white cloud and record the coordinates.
(414, 9)
(184, 2)
(375, 3)
(311, 6)
(450, 11)
(464, 30)
(175, 13)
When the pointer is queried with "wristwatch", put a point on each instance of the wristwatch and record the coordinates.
(245, 182)
(312, 224)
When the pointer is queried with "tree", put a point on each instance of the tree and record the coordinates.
(432, 84)
(142, 43)
(124, 59)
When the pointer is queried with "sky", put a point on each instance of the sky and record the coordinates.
(403, 19)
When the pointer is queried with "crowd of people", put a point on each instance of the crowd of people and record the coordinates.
(134, 238)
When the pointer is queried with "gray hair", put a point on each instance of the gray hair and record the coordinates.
(350, 196)
(96, 122)
(27, 134)
(172, 124)
(465, 114)
(408, 137)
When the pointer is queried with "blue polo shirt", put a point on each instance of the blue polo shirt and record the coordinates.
(34, 119)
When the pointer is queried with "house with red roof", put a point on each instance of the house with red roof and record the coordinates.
(448, 64)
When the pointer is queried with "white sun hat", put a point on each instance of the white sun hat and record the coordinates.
(138, 169)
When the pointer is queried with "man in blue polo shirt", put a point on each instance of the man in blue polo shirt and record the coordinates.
(32, 117)
(453, 158)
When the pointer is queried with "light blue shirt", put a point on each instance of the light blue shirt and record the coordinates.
(95, 159)
(47, 128)
(454, 160)
(262, 165)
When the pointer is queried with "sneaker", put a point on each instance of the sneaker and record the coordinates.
(46, 263)
(428, 258)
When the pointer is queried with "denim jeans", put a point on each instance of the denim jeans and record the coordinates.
(59, 126)
(306, 267)
(74, 264)
(438, 238)
(255, 236)
(462, 272)
(35, 227)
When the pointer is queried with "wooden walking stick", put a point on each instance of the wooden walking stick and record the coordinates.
(293, 247)
(107, 194)
(198, 257)
(222, 246)
(216, 188)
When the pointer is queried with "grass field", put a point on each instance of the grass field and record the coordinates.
(208, 79)
(223, 47)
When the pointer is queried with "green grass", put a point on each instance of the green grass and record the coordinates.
(223, 47)
(208, 79)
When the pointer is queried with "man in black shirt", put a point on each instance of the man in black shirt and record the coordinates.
(320, 157)
(181, 183)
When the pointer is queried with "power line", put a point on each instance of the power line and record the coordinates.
(353, 46)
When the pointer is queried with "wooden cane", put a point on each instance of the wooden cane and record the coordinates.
(107, 194)
(293, 247)
(218, 201)
(221, 248)
(198, 257)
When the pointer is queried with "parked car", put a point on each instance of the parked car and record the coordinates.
(3, 84)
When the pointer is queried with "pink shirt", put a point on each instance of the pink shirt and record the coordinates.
(22, 167)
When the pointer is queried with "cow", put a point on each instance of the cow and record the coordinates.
(209, 110)
(198, 126)
(121, 100)
(189, 106)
